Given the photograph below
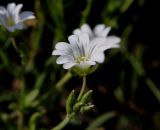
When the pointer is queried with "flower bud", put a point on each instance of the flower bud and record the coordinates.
(86, 97)
(70, 102)
(77, 106)
(86, 108)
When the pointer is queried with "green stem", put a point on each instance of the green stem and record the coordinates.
(86, 12)
(70, 116)
(15, 45)
(20, 120)
(153, 88)
(59, 85)
(19, 51)
(82, 89)
(22, 95)
(64, 122)
(21, 105)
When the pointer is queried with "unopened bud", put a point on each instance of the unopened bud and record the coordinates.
(77, 106)
(85, 109)
(70, 102)
(86, 97)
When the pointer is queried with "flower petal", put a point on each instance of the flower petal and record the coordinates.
(19, 25)
(94, 45)
(11, 11)
(85, 28)
(60, 52)
(98, 57)
(91, 62)
(17, 11)
(68, 65)
(64, 59)
(84, 43)
(102, 44)
(62, 46)
(2, 10)
(26, 15)
(101, 31)
(2, 18)
(77, 31)
(76, 47)
(112, 41)
(98, 28)
(11, 8)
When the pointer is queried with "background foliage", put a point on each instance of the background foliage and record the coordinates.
(125, 88)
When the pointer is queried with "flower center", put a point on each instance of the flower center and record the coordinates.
(10, 22)
(82, 58)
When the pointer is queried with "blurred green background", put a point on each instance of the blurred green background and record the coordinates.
(126, 90)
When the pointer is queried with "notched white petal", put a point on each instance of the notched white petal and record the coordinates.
(73, 39)
(64, 59)
(113, 40)
(26, 15)
(98, 57)
(77, 32)
(85, 28)
(17, 11)
(98, 28)
(105, 32)
(68, 65)
(62, 46)
(11, 7)
(101, 31)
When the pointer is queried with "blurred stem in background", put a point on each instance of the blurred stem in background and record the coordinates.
(137, 63)
(56, 11)
(60, 84)
(36, 36)
(100, 120)
(20, 76)
(86, 12)
(18, 50)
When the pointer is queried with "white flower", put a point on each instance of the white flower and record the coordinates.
(99, 31)
(12, 19)
(82, 53)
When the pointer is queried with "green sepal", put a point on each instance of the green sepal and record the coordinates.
(86, 97)
(88, 69)
(86, 108)
(77, 106)
(70, 102)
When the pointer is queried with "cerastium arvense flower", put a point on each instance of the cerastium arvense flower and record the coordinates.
(12, 19)
(82, 54)
(85, 50)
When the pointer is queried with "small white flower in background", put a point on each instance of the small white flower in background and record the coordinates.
(12, 19)
(99, 31)
(82, 53)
